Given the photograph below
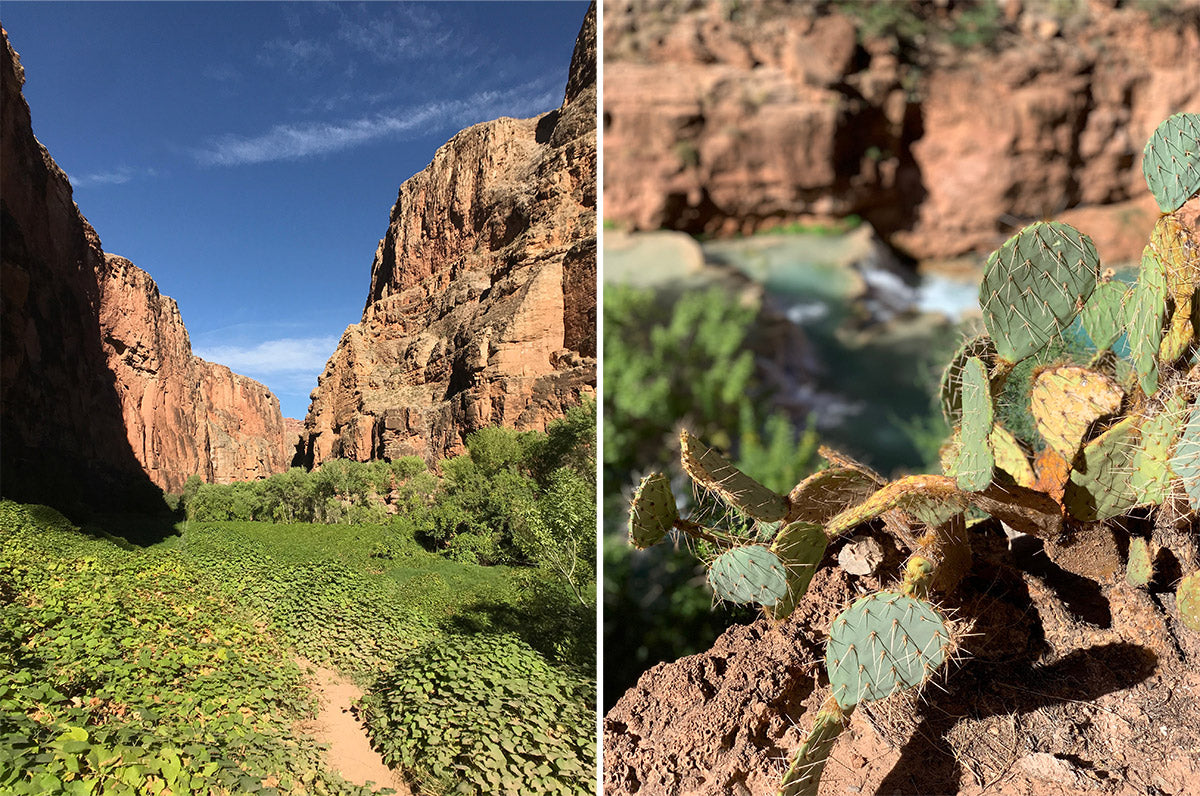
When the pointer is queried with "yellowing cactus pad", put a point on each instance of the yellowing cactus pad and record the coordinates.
(1065, 401)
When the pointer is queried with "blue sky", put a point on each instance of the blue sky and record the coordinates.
(247, 155)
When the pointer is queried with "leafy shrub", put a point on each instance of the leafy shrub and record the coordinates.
(485, 715)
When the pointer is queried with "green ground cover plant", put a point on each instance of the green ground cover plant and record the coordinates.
(167, 668)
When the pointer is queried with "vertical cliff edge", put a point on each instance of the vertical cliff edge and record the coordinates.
(482, 304)
(101, 398)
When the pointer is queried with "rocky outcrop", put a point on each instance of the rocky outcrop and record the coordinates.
(101, 393)
(721, 120)
(482, 305)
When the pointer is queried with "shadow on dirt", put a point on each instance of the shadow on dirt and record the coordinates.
(1004, 675)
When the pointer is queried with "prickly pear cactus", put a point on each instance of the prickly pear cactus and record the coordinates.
(1065, 401)
(1187, 600)
(1034, 285)
(1139, 569)
(1171, 161)
(1102, 447)
(800, 546)
(803, 775)
(973, 469)
(980, 347)
(1185, 462)
(1104, 316)
(653, 512)
(712, 471)
(883, 643)
(748, 575)
(1146, 312)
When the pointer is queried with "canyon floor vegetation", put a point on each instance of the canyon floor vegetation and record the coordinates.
(460, 602)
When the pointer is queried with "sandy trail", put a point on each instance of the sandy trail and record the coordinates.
(350, 753)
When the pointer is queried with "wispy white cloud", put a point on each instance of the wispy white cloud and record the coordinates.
(117, 176)
(293, 54)
(289, 355)
(222, 73)
(402, 32)
(295, 141)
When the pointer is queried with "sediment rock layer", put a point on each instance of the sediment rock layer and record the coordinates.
(725, 119)
(482, 304)
(102, 395)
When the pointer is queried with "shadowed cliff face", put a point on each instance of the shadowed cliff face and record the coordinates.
(102, 401)
(482, 303)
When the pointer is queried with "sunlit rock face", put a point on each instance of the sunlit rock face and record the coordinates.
(482, 302)
(725, 121)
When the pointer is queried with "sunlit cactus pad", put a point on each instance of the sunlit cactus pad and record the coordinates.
(800, 546)
(1171, 161)
(712, 471)
(750, 574)
(1185, 463)
(828, 492)
(975, 459)
(1034, 285)
(1066, 400)
(1104, 314)
(653, 511)
(1139, 569)
(951, 389)
(883, 643)
(1187, 599)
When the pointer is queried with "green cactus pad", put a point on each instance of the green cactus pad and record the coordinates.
(973, 470)
(653, 512)
(1103, 316)
(1066, 400)
(712, 471)
(951, 389)
(1139, 569)
(1171, 161)
(1099, 486)
(1185, 462)
(1151, 473)
(803, 775)
(931, 499)
(800, 546)
(750, 574)
(1145, 311)
(1034, 285)
(828, 492)
(883, 643)
(1187, 599)
(1010, 456)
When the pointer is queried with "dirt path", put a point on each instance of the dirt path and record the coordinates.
(350, 753)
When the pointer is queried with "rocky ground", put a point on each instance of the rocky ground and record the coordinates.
(1064, 686)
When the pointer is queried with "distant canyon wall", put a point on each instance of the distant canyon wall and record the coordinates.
(482, 302)
(724, 118)
(100, 390)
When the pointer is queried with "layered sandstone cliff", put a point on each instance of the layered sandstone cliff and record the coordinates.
(100, 390)
(723, 119)
(482, 305)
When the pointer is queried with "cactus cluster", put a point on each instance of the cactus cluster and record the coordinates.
(1118, 430)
